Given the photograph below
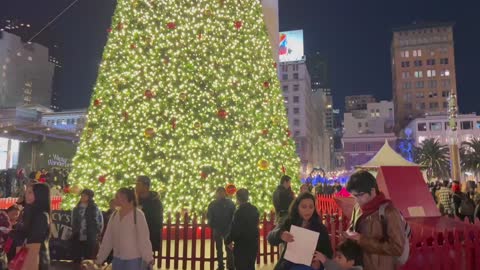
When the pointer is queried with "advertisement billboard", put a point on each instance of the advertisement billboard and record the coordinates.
(291, 46)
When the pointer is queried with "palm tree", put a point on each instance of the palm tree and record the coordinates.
(470, 156)
(435, 157)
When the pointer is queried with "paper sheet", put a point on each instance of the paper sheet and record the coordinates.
(303, 247)
(417, 211)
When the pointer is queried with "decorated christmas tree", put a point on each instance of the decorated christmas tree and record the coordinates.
(187, 94)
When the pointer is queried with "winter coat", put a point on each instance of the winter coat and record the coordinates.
(379, 254)
(323, 243)
(94, 223)
(282, 198)
(220, 215)
(244, 231)
(153, 209)
(332, 265)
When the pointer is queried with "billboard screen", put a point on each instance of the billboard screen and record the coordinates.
(291, 46)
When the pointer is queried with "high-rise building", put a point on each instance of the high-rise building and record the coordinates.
(365, 132)
(26, 72)
(270, 13)
(305, 110)
(358, 102)
(423, 70)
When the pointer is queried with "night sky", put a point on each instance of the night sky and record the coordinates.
(353, 35)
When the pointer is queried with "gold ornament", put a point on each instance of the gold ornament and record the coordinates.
(149, 132)
(263, 164)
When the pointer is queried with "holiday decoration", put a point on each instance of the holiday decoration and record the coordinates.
(109, 30)
(263, 164)
(149, 132)
(283, 169)
(75, 190)
(102, 179)
(222, 114)
(66, 189)
(231, 189)
(187, 106)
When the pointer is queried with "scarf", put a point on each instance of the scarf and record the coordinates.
(373, 205)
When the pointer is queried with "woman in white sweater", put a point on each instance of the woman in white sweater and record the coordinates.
(127, 234)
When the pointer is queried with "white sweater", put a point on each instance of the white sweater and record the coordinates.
(128, 241)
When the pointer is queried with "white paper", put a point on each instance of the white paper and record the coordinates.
(303, 247)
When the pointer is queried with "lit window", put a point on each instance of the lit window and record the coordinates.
(286, 99)
(30, 58)
(431, 73)
(422, 127)
(436, 126)
(418, 74)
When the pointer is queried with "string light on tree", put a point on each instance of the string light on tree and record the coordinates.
(187, 94)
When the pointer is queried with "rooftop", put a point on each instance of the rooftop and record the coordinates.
(422, 25)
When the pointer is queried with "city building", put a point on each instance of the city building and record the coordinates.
(358, 102)
(26, 72)
(365, 132)
(270, 13)
(305, 115)
(437, 127)
(423, 70)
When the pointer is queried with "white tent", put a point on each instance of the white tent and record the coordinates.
(386, 156)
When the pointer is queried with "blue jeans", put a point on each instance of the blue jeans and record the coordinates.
(133, 264)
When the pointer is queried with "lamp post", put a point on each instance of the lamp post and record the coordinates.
(453, 139)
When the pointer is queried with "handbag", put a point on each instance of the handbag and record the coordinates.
(19, 260)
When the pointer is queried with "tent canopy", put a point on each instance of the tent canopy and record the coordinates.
(386, 156)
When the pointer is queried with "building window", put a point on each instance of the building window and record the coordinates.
(296, 122)
(432, 84)
(295, 76)
(295, 67)
(285, 99)
(405, 64)
(417, 63)
(284, 76)
(297, 133)
(419, 95)
(369, 147)
(445, 104)
(431, 73)
(359, 124)
(466, 125)
(419, 84)
(478, 124)
(445, 73)
(404, 54)
(422, 106)
(422, 126)
(445, 93)
(444, 61)
(432, 94)
(284, 68)
(408, 97)
(436, 126)
(285, 88)
(405, 75)
(433, 105)
(446, 83)
(354, 147)
(419, 74)
(296, 99)
(417, 53)
(407, 85)
(430, 62)
(296, 87)
(366, 124)
(408, 106)
(296, 110)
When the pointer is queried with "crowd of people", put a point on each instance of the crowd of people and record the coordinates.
(452, 202)
(131, 230)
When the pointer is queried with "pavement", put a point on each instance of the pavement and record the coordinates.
(71, 266)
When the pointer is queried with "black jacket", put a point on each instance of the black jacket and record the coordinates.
(153, 209)
(220, 215)
(282, 198)
(91, 219)
(323, 243)
(244, 231)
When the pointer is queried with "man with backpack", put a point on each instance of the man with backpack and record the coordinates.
(376, 225)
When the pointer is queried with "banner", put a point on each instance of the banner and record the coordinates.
(61, 233)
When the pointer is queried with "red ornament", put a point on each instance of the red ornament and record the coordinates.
(230, 189)
(171, 25)
(109, 30)
(265, 132)
(174, 123)
(42, 180)
(102, 179)
(289, 133)
(119, 26)
(238, 24)
(166, 60)
(266, 84)
(149, 94)
(284, 170)
(199, 35)
(97, 102)
(275, 64)
(222, 114)
(133, 46)
(66, 189)
(203, 175)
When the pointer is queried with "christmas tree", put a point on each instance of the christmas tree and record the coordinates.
(187, 94)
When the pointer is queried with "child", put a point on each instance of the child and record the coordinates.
(348, 256)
